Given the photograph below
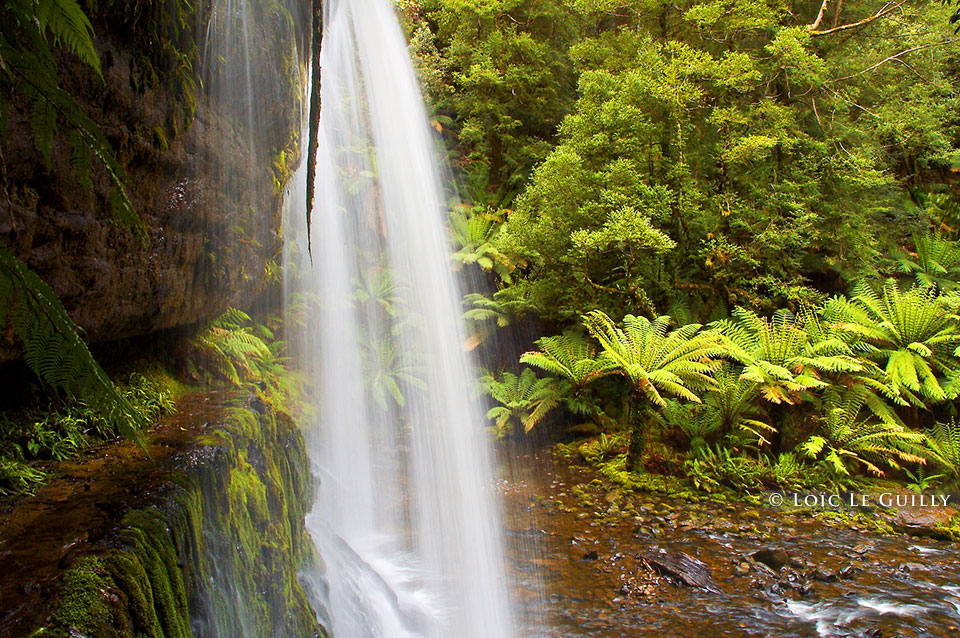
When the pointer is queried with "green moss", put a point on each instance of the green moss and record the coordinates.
(223, 548)
(950, 529)
(84, 599)
(860, 520)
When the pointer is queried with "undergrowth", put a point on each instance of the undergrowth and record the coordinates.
(47, 430)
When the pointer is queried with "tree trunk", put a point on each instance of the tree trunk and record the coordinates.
(638, 436)
(777, 413)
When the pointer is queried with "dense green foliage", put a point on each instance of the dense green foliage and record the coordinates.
(57, 429)
(782, 171)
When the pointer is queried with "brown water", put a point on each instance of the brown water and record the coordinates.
(594, 582)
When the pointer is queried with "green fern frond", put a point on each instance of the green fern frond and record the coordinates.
(30, 69)
(80, 162)
(52, 346)
(70, 28)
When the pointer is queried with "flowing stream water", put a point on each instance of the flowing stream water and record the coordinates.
(406, 520)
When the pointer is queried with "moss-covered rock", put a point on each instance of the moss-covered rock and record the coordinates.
(215, 553)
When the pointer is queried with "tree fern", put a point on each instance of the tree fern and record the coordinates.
(657, 361)
(731, 403)
(523, 398)
(387, 372)
(568, 356)
(935, 262)
(847, 438)
(52, 345)
(785, 355)
(944, 441)
(472, 231)
(912, 335)
(484, 316)
(572, 359)
(654, 358)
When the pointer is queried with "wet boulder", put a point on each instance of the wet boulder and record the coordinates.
(683, 569)
(775, 559)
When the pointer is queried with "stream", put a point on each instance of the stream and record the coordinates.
(588, 576)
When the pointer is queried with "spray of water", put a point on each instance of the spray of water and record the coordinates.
(405, 520)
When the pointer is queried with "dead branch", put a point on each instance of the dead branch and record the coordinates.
(887, 8)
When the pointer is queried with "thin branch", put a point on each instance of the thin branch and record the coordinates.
(887, 8)
(816, 23)
(896, 57)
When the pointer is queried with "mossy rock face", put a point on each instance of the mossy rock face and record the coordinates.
(216, 555)
(204, 169)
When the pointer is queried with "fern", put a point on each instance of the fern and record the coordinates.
(472, 230)
(523, 398)
(69, 27)
(936, 261)
(568, 356)
(913, 336)
(30, 70)
(785, 355)
(52, 346)
(485, 315)
(657, 360)
(228, 347)
(80, 162)
(43, 121)
(846, 438)
(387, 373)
(944, 441)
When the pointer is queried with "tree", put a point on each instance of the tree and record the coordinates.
(656, 361)
(512, 81)
(728, 154)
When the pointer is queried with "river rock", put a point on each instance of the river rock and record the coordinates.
(775, 559)
(683, 568)
(923, 521)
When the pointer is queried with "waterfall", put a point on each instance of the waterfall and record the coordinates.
(405, 519)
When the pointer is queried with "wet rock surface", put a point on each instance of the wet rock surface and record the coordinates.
(781, 572)
(43, 534)
(202, 185)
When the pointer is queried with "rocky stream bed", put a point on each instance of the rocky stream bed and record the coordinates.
(614, 564)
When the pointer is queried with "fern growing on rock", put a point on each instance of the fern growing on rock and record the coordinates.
(228, 348)
(29, 70)
(52, 345)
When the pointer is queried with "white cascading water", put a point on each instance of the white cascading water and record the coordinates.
(405, 518)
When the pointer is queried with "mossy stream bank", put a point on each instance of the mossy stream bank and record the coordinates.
(202, 537)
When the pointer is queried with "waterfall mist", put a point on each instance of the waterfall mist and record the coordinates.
(405, 519)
